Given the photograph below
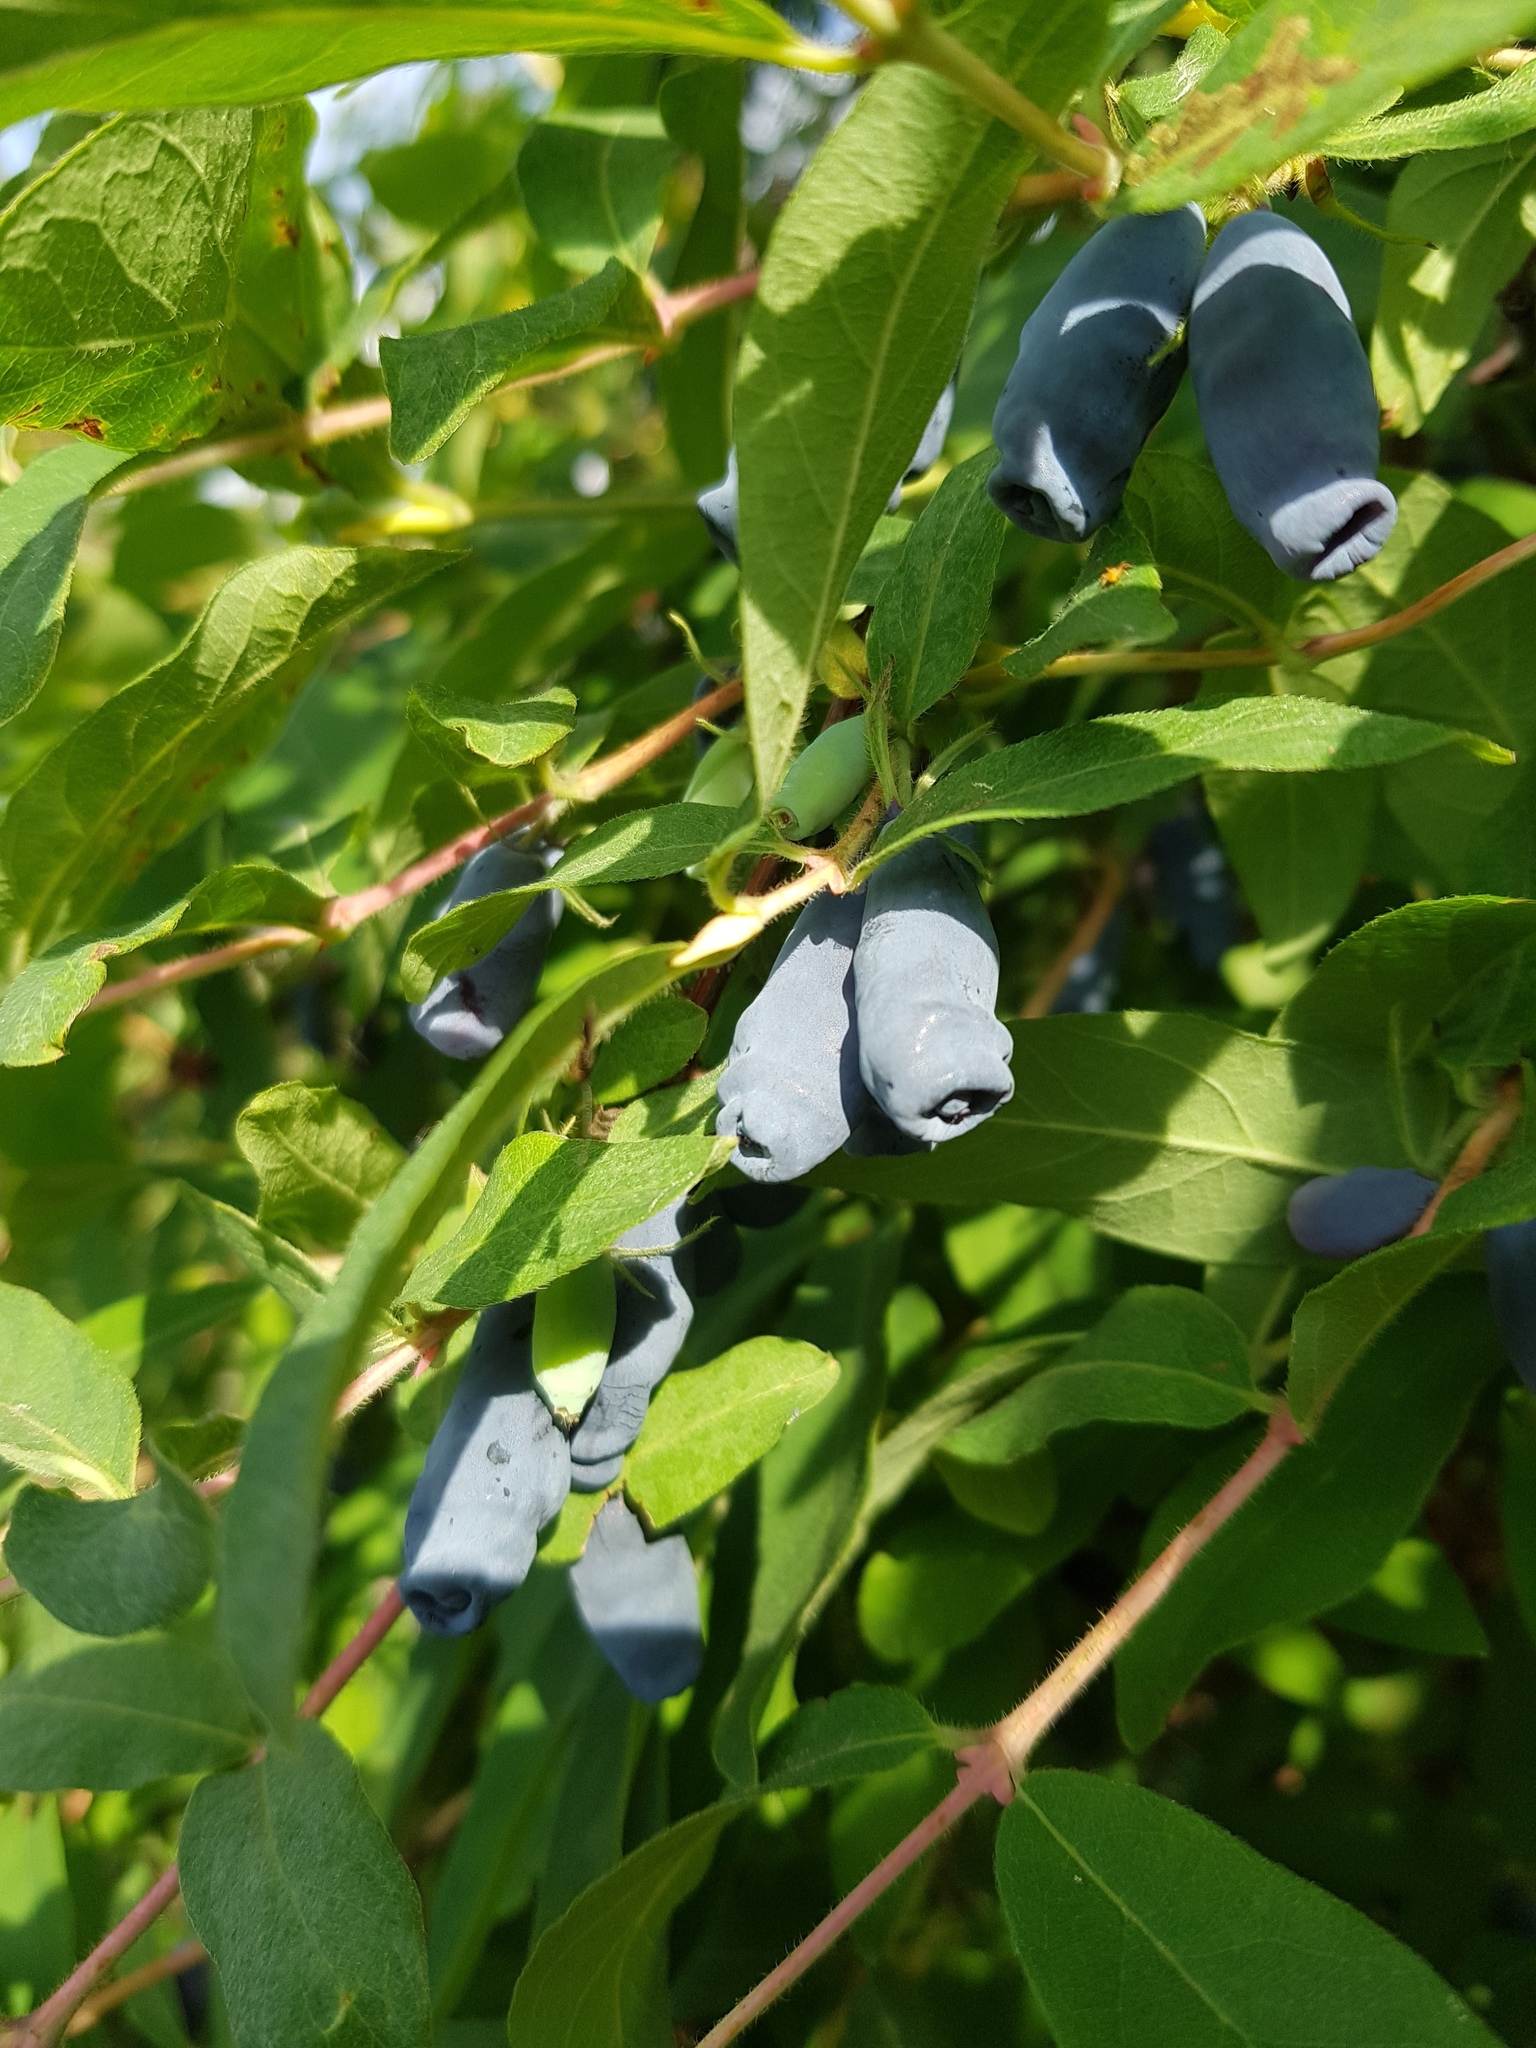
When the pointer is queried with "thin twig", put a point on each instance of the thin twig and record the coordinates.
(45, 2026)
(992, 1766)
(677, 310)
(1089, 930)
(186, 1955)
(1328, 645)
(344, 914)
(193, 966)
(1478, 1151)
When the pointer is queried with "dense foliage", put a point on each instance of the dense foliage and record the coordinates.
(407, 796)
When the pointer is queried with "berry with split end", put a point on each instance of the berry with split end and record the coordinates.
(1285, 397)
(497, 1470)
(932, 1052)
(1097, 368)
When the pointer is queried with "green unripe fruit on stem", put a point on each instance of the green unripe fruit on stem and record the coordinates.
(824, 779)
(573, 1322)
(724, 776)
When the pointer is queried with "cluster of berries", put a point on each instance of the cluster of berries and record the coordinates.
(1281, 380)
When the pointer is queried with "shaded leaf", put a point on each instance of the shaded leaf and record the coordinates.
(303, 1902)
(320, 1160)
(705, 1428)
(591, 181)
(263, 1253)
(654, 1044)
(113, 1567)
(1416, 1601)
(1209, 1942)
(41, 517)
(1162, 1355)
(1321, 1525)
(65, 1414)
(1298, 845)
(109, 1716)
(1173, 1131)
(435, 380)
(598, 1977)
(1336, 1324)
(933, 608)
(858, 1731)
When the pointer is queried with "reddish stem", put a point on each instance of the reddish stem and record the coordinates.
(1089, 930)
(994, 1764)
(186, 1955)
(345, 913)
(1327, 645)
(677, 310)
(1478, 1151)
(270, 939)
(46, 2025)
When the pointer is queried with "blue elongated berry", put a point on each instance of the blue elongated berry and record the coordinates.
(791, 1089)
(497, 1470)
(1095, 372)
(1093, 978)
(719, 504)
(468, 1014)
(640, 1601)
(1345, 1215)
(1285, 397)
(654, 1314)
(1510, 1256)
(1194, 888)
(932, 1051)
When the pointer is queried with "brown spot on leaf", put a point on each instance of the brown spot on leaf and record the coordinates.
(289, 233)
(1278, 90)
(88, 425)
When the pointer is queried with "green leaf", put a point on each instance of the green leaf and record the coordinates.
(109, 1716)
(1115, 602)
(858, 1731)
(586, 1830)
(1198, 546)
(1162, 1355)
(1417, 1602)
(1337, 1324)
(1298, 846)
(640, 846)
(598, 1977)
(813, 1484)
(37, 1935)
(65, 1415)
(705, 1428)
(550, 1205)
(188, 55)
(137, 773)
(51, 991)
(113, 1567)
(905, 1448)
(1389, 981)
(509, 735)
(320, 1160)
(272, 1517)
(505, 1836)
(858, 321)
(1319, 1527)
(1470, 207)
(436, 380)
(1077, 769)
(41, 517)
(1139, 1922)
(262, 1252)
(296, 1891)
(591, 182)
(933, 608)
(656, 1043)
(938, 1584)
(148, 1329)
(701, 106)
(1517, 1500)
(117, 279)
(1295, 71)
(1174, 1132)
(1495, 113)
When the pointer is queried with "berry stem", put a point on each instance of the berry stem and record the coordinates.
(1477, 1153)
(1112, 880)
